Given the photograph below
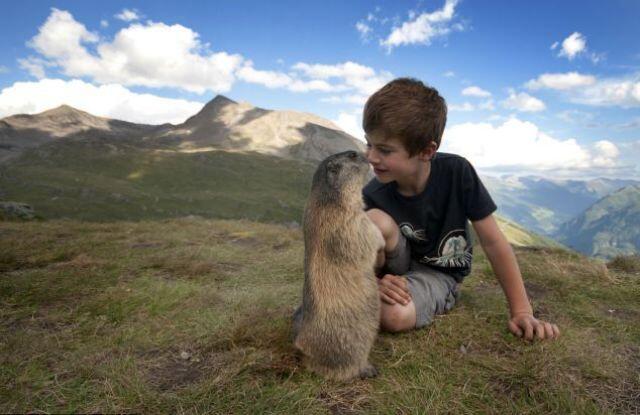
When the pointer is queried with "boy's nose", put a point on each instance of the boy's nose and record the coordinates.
(371, 156)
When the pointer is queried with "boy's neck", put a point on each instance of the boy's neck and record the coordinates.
(417, 183)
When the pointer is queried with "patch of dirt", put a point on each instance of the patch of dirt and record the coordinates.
(484, 287)
(248, 242)
(173, 372)
(510, 385)
(535, 291)
(623, 314)
(281, 245)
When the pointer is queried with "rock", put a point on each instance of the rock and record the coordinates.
(16, 210)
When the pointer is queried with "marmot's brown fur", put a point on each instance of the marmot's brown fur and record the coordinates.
(340, 301)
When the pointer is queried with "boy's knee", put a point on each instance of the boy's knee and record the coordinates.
(388, 227)
(396, 318)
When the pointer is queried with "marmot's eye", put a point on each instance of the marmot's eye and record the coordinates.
(352, 155)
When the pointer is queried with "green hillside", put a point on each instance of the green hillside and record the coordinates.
(608, 228)
(106, 180)
(193, 316)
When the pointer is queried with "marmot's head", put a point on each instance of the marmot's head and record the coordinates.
(340, 177)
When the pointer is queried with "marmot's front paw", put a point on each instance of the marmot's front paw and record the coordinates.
(368, 372)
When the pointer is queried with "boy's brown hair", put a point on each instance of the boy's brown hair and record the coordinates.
(409, 110)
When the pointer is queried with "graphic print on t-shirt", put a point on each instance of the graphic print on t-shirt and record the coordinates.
(452, 251)
(407, 230)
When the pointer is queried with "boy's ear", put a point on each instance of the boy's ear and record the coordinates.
(429, 151)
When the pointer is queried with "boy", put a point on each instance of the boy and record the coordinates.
(421, 202)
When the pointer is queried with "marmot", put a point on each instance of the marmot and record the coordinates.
(340, 311)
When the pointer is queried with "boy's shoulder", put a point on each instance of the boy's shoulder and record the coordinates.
(449, 159)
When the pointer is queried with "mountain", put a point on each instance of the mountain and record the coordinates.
(225, 124)
(543, 205)
(221, 124)
(610, 227)
(23, 131)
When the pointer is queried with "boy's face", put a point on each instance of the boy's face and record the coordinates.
(389, 159)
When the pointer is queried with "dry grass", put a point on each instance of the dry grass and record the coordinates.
(625, 263)
(193, 316)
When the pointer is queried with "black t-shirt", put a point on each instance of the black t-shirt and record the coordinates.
(435, 221)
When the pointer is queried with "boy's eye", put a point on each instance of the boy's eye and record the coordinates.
(384, 151)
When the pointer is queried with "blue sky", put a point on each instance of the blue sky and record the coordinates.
(549, 88)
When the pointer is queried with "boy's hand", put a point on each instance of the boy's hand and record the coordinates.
(394, 289)
(527, 326)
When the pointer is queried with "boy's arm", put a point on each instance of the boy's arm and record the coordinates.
(505, 266)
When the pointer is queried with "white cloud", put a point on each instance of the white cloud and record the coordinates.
(523, 102)
(113, 101)
(364, 30)
(467, 106)
(423, 28)
(3, 69)
(623, 92)
(104, 23)
(158, 55)
(351, 123)
(272, 79)
(35, 66)
(605, 153)
(127, 15)
(589, 90)
(573, 45)
(351, 75)
(474, 91)
(153, 55)
(464, 107)
(561, 81)
(353, 99)
(521, 146)
(449, 74)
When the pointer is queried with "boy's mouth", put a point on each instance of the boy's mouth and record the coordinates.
(378, 171)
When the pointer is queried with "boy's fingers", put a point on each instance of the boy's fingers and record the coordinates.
(396, 296)
(389, 286)
(548, 331)
(528, 330)
(513, 327)
(398, 281)
(384, 297)
(556, 331)
(539, 331)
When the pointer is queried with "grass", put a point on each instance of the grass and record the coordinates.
(192, 316)
(96, 180)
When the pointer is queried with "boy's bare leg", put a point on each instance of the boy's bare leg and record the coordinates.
(397, 317)
(394, 315)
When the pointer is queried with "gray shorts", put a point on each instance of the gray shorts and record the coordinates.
(433, 292)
